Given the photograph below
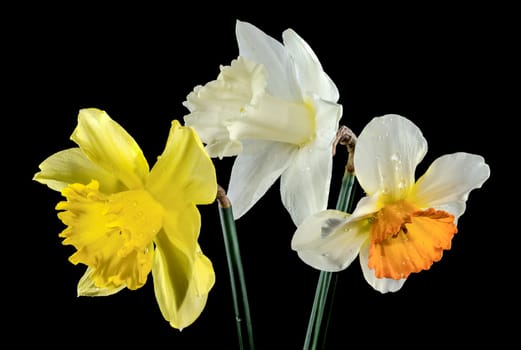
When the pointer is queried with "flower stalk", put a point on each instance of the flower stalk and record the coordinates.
(324, 295)
(237, 280)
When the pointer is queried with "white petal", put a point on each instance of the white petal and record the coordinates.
(366, 206)
(304, 186)
(254, 172)
(310, 73)
(383, 285)
(327, 116)
(387, 152)
(325, 242)
(454, 208)
(448, 181)
(255, 45)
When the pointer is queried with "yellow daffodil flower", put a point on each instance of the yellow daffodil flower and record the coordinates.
(126, 220)
(401, 226)
(276, 109)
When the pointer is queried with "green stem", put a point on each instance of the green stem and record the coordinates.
(233, 257)
(345, 198)
(323, 301)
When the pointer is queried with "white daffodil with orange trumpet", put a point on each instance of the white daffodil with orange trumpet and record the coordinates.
(401, 226)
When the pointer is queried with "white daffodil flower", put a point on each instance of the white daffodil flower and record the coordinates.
(276, 109)
(401, 226)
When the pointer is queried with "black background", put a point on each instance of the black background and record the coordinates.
(441, 67)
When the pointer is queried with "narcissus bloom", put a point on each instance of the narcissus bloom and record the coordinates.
(401, 226)
(126, 221)
(276, 109)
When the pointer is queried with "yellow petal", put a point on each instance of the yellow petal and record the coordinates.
(181, 284)
(182, 227)
(108, 145)
(184, 173)
(112, 234)
(72, 166)
(87, 287)
(182, 275)
(204, 276)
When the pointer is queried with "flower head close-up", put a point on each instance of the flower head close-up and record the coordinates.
(277, 111)
(127, 221)
(402, 225)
